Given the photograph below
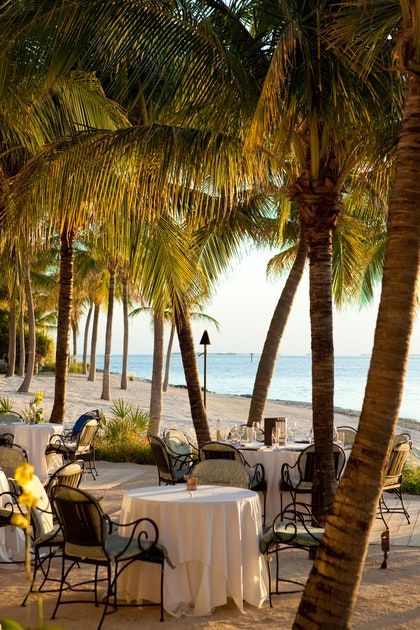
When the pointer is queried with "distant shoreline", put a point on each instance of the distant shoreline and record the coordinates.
(352, 413)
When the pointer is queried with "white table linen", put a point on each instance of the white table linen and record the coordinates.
(273, 458)
(34, 439)
(211, 535)
(12, 539)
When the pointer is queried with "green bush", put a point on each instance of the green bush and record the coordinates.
(123, 435)
(411, 479)
(131, 449)
(76, 367)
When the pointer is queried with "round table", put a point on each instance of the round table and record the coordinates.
(273, 458)
(34, 439)
(211, 535)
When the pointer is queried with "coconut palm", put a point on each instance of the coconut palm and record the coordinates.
(357, 259)
(367, 31)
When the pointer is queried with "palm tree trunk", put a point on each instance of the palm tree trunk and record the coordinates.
(189, 361)
(31, 330)
(274, 335)
(22, 351)
(93, 343)
(156, 388)
(168, 357)
(108, 334)
(86, 338)
(126, 331)
(322, 346)
(65, 297)
(74, 337)
(11, 355)
(332, 586)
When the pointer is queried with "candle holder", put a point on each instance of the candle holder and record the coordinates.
(191, 483)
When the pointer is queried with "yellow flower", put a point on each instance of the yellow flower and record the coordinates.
(24, 474)
(20, 521)
(28, 499)
(39, 397)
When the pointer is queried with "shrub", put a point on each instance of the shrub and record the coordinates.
(76, 367)
(131, 449)
(123, 435)
(411, 479)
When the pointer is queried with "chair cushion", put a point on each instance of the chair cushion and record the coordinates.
(114, 545)
(289, 533)
(54, 537)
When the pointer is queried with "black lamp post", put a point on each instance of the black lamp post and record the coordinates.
(205, 341)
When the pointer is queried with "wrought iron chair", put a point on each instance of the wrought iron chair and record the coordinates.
(82, 448)
(89, 539)
(220, 450)
(393, 479)
(47, 541)
(9, 417)
(6, 439)
(68, 475)
(171, 469)
(297, 478)
(347, 435)
(222, 473)
(295, 527)
(179, 446)
(71, 435)
(11, 457)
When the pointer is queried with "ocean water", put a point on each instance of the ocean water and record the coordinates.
(235, 374)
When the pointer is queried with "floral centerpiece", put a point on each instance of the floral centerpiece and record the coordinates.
(35, 413)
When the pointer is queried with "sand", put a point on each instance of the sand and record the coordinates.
(83, 395)
(388, 599)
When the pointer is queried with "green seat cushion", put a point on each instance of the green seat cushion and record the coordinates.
(289, 533)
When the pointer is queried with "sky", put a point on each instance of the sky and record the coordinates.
(243, 305)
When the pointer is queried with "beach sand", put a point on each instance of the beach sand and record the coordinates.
(83, 395)
(388, 599)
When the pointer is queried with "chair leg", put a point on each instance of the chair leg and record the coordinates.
(63, 579)
(107, 596)
(161, 591)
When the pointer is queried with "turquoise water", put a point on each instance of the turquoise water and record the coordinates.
(235, 374)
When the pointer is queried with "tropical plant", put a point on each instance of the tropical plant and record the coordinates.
(5, 404)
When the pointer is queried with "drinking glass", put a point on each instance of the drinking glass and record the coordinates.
(274, 437)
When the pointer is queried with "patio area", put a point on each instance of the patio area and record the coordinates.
(399, 609)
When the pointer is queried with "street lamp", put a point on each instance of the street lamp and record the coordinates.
(205, 341)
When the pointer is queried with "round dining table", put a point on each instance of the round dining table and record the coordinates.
(273, 458)
(212, 537)
(34, 439)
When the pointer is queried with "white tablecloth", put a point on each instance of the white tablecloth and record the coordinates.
(12, 539)
(273, 459)
(211, 535)
(34, 439)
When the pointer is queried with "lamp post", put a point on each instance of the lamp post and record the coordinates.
(205, 341)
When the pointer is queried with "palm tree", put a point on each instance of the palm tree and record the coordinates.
(94, 338)
(157, 371)
(112, 270)
(125, 300)
(30, 363)
(329, 601)
(86, 337)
